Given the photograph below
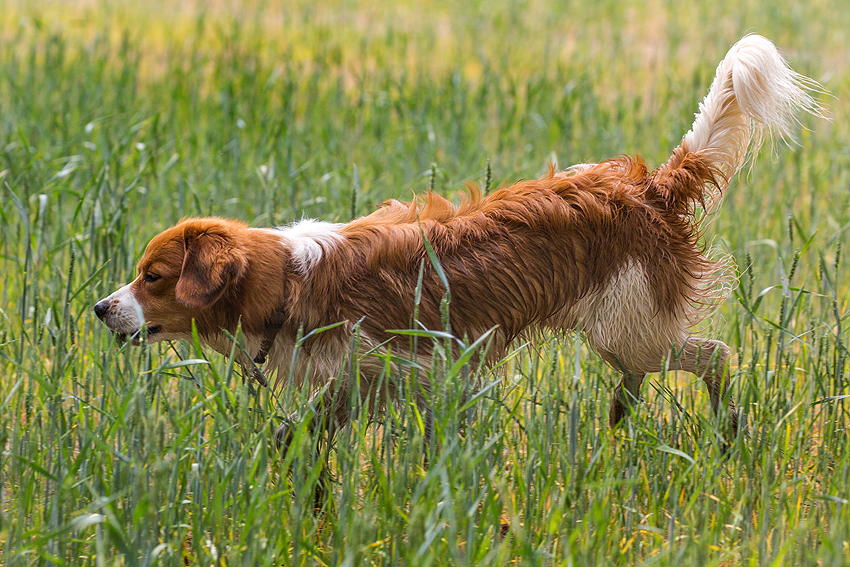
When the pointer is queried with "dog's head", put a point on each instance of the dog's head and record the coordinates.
(184, 272)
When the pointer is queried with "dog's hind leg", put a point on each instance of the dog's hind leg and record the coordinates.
(708, 359)
(626, 393)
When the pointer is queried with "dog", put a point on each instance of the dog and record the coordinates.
(611, 250)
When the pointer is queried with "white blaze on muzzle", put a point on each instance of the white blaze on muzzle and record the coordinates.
(121, 312)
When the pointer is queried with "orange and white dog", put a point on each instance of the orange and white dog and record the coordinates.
(610, 249)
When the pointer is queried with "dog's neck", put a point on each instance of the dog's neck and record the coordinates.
(299, 259)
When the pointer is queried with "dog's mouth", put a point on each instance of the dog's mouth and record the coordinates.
(137, 336)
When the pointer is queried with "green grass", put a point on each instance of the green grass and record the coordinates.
(116, 121)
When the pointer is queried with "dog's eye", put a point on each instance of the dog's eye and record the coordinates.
(151, 277)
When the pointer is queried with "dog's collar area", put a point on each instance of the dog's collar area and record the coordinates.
(273, 326)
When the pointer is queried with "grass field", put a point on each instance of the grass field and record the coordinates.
(116, 120)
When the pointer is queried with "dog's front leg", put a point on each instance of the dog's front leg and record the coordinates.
(317, 418)
(325, 425)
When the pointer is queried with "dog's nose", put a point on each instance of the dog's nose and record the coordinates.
(100, 309)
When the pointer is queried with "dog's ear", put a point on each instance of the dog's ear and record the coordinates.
(212, 261)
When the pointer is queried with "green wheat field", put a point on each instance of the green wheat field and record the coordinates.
(117, 119)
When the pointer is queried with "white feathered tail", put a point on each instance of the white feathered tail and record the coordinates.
(754, 92)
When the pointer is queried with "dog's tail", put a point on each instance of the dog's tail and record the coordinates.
(754, 92)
